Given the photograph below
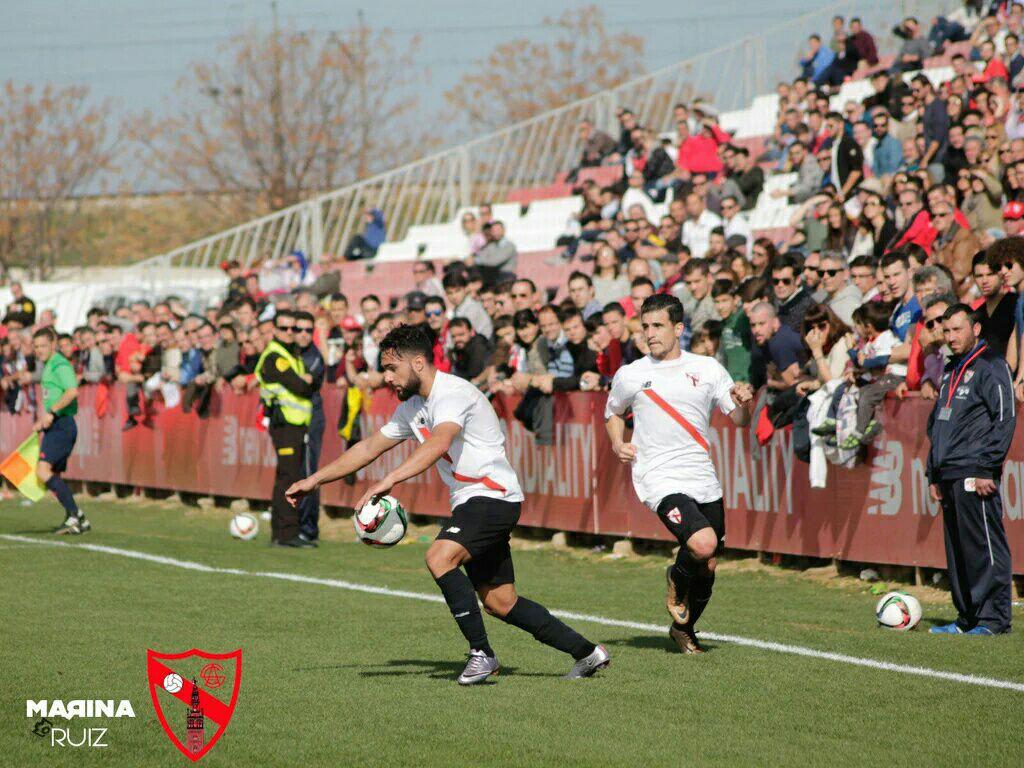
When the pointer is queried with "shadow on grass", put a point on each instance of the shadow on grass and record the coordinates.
(434, 669)
(656, 643)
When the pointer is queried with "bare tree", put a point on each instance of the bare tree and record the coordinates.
(54, 147)
(285, 115)
(520, 78)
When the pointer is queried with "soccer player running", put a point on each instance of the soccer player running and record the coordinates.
(672, 394)
(459, 431)
(58, 428)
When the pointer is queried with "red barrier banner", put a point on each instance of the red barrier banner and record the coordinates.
(878, 512)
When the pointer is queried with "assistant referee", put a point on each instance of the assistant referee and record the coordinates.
(57, 426)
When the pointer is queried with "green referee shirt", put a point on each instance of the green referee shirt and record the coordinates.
(58, 377)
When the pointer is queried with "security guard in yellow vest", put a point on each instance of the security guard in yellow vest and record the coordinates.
(285, 389)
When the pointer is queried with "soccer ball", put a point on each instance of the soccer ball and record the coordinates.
(244, 526)
(898, 610)
(382, 524)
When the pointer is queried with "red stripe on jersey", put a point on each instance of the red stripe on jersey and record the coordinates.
(677, 417)
(487, 482)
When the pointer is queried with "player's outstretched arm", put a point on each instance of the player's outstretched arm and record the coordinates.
(616, 427)
(352, 460)
(422, 459)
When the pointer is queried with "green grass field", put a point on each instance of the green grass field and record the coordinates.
(344, 678)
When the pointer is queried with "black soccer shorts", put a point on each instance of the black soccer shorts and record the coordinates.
(684, 517)
(483, 526)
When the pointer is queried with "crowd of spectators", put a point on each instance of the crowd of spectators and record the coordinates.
(906, 202)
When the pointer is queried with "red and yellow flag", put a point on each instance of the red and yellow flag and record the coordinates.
(20, 469)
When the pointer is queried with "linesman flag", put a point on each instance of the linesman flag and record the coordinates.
(20, 469)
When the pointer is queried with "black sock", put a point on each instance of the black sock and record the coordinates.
(700, 592)
(458, 593)
(537, 620)
(64, 496)
(684, 571)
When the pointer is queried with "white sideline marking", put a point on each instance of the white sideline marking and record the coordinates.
(765, 645)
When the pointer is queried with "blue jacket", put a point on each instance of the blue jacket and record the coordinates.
(374, 234)
(888, 156)
(974, 439)
(815, 67)
(191, 365)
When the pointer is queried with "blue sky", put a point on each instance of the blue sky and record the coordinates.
(135, 50)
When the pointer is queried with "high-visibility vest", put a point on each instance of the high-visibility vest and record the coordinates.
(296, 410)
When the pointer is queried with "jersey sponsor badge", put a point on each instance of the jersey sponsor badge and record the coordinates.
(968, 376)
(646, 385)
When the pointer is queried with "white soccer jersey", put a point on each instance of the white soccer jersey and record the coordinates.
(476, 464)
(672, 401)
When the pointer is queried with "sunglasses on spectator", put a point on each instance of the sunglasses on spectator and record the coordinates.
(930, 324)
(829, 272)
(782, 280)
(821, 325)
(303, 328)
(520, 295)
(434, 312)
(815, 270)
(285, 328)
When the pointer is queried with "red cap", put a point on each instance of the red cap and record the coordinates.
(1013, 210)
(350, 324)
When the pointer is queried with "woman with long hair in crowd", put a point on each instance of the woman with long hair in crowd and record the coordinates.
(839, 235)
(825, 336)
(761, 256)
(874, 229)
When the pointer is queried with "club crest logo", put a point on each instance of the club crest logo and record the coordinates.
(674, 516)
(190, 693)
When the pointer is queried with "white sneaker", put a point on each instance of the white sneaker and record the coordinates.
(479, 667)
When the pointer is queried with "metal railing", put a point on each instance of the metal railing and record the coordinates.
(434, 188)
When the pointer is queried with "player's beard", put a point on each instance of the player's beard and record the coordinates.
(410, 389)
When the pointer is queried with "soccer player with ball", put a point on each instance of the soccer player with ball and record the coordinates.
(672, 394)
(459, 432)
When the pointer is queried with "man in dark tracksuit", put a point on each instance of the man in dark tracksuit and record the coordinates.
(970, 429)
(313, 361)
(286, 390)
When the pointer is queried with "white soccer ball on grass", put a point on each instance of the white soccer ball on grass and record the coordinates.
(244, 526)
(898, 610)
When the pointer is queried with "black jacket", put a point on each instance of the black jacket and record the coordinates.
(792, 312)
(584, 359)
(470, 362)
(658, 164)
(974, 440)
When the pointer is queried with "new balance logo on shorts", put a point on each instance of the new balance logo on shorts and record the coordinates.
(454, 530)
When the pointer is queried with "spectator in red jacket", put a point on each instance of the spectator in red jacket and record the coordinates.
(698, 153)
(917, 226)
